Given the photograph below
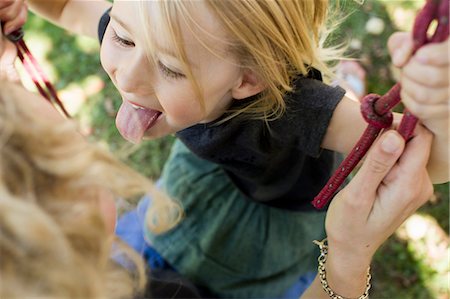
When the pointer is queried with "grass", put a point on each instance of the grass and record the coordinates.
(403, 267)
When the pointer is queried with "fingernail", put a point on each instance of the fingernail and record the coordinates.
(391, 143)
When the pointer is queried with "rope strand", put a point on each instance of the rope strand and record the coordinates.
(35, 71)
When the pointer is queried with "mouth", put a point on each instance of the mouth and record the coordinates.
(133, 120)
(137, 106)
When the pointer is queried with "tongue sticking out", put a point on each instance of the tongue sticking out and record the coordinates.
(132, 123)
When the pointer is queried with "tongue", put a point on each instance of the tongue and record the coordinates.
(132, 123)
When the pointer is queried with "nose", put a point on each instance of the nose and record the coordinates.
(134, 74)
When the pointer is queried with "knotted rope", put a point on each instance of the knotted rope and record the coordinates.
(35, 71)
(376, 109)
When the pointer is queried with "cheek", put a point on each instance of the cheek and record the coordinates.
(181, 105)
(107, 55)
(108, 210)
(102, 201)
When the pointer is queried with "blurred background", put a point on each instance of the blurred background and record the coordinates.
(414, 263)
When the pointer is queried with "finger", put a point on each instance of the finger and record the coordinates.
(10, 12)
(424, 94)
(426, 74)
(400, 46)
(17, 22)
(410, 172)
(414, 158)
(417, 152)
(434, 54)
(427, 111)
(380, 159)
(6, 3)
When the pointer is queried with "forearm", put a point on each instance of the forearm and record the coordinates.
(345, 128)
(50, 10)
(77, 16)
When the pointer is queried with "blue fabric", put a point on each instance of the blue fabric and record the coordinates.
(300, 286)
(130, 230)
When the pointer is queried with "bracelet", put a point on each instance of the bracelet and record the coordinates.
(323, 246)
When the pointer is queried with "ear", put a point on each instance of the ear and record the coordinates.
(249, 84)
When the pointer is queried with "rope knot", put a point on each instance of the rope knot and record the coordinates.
(16, 35)
(371, 116)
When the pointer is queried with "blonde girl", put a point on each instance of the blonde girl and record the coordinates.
(57, 212)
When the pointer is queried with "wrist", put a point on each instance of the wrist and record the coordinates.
(343, 274)
(346, 275)
(351, 253)
(350, 257)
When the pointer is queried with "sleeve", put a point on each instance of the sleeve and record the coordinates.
(308, 114)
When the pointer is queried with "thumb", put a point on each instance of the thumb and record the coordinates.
(379, 161)
(400, 45)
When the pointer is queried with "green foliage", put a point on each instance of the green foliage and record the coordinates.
(372, 53)
(397, 274)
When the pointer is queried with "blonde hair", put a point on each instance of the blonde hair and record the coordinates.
(53, 240)
(277, 39)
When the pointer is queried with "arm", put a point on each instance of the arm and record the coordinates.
(79, 17)
(386, 190)
(346, 126)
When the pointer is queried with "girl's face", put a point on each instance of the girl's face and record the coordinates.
(157, 97)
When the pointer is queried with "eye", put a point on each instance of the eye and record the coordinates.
(122, 42)
(168, 73)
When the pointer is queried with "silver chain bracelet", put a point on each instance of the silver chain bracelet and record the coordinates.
(323, 246)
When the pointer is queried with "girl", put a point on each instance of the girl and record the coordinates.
(57, 213)
(55, 210)
(239, 82)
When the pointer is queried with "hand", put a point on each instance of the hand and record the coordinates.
(8, 55)
(378, 199)
(426, 93)
(424, 77)
(13, 13)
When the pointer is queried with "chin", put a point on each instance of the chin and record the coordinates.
(155, 134)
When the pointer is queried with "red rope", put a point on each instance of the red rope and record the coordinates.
(376, 109)
(35, 71)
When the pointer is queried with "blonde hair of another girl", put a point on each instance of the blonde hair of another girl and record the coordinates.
(278, 40)
(53, 240)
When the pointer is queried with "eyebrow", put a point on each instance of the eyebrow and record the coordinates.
(160, 49)
(116, 19)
